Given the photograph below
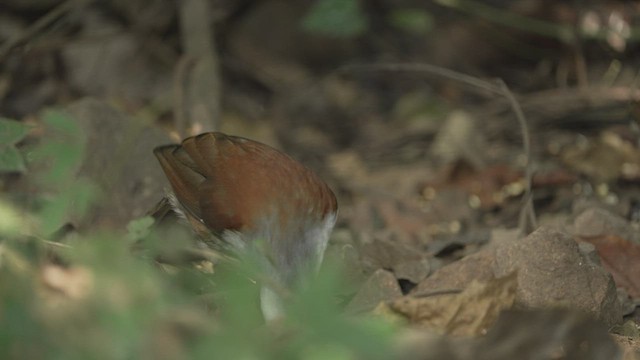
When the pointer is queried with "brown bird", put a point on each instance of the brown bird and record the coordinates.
(245, 193)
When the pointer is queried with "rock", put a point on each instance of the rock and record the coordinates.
(384, 251)
(412, 270)
(381, 286)
(459, 274)
(553, 272)
(630, 346)
(597, 222)
(118, 66)
(119, 159)
(539, 334)
(545, 334)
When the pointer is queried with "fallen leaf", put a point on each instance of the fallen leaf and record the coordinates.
(621, 258)
(470, 312)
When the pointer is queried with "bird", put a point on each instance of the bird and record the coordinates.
(249, 196)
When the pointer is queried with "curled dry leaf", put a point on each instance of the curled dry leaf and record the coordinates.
(470, 312)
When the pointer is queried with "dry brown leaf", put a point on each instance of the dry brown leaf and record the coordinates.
(470, 312)
(621, 258)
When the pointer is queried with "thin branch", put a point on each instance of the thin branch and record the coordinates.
(202, 92)
(426, 68)
(527, 214)
(527, 221)
(180, 80)
(39, 25)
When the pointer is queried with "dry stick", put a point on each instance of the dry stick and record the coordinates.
(559, 102)
(38, 26)
(180, 79)
(635, 127)
(203, 91)
(527, 219)
(438, 292)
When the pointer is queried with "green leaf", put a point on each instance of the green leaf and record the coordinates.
(72, 201)
(315, 306)
(139, 228)
(338, 18)
(12, 131)
(61, 122)
(60, 154)
(11, 159)
(11, 223)
(415, 21)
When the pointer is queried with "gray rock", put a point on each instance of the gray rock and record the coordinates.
(119, 159)
(459, 274)
(412, 270)
(381, 286)
(597, 222)
(552, 272)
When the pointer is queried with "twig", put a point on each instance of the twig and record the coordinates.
(440, 292)
(201, 101)
(527, 220)
(180, 80)
(38, 26)
(527, 214)
(55, 244)
(425, 68)
(633, 124)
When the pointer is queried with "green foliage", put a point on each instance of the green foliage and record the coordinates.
(415, 21)
(53, 165)
(107, 302)
(55, 162)
(345, 19)
(336, 18)
(323, 324)
(11, 132)
(139, 229)
(128, 308)
(11, 222)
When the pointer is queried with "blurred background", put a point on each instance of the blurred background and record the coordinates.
(395, 104)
